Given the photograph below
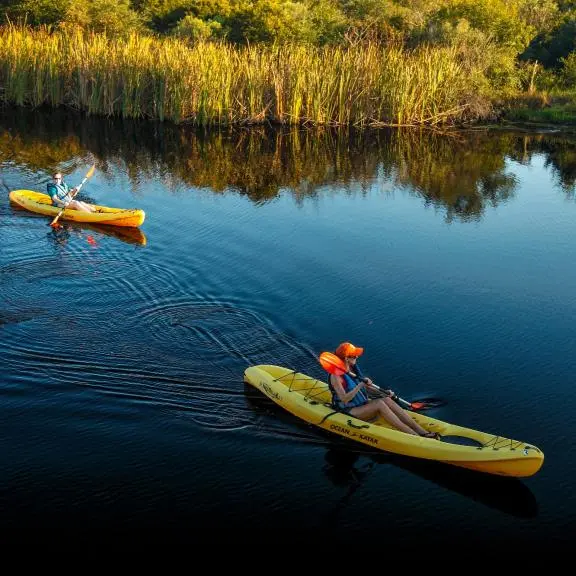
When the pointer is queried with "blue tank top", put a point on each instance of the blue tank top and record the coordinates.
(61, 191)
(350, 382)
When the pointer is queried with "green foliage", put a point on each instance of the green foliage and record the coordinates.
(555, 21)
(566, 5)
(36, 12)
(552, 47)
(385, 20)
(194, 28)
(199, 8)
(165, 15)
(328, 21)
(543, 15)
(498, 19)
(569, 70)
(114, 17)
(271, 21)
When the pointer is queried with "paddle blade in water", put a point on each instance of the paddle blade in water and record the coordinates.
(424, 404)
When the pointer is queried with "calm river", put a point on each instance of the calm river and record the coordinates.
(450, 258)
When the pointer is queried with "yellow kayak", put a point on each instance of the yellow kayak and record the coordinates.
(42, 204)
(309, 399)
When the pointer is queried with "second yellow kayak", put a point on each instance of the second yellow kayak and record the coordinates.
(42, 204)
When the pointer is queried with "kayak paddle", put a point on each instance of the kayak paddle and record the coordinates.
(335, 365)
(88, 175)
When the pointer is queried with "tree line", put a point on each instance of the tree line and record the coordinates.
(544, 30)
(502, 47)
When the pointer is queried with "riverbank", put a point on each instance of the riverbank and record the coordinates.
(542, 111)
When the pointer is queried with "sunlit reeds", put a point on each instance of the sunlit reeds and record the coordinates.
(217, 84)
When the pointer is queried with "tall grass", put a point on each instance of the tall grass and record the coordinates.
(217, 84)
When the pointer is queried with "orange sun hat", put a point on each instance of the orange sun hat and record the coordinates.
(348, 349)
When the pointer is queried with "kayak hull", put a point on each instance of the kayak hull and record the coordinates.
(42, 204)
(309, 399)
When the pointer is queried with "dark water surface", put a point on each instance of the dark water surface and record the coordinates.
(449, 257)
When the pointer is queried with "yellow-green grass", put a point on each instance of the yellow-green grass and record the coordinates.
(218, 84)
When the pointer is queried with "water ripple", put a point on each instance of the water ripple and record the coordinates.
(206, 388)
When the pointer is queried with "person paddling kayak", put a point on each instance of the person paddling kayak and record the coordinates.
(63, 196)
(349, 395)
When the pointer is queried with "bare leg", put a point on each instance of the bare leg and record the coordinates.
(406, 418)
(82, 206)
(376, 407)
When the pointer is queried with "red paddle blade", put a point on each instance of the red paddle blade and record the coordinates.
(428, 403)
(331, 363)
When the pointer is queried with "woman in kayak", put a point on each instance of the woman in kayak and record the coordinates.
(63, 196)
(349, 395)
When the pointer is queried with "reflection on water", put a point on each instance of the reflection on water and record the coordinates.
(509, 495)
(462, 173)
(345, 469)
(93, 232)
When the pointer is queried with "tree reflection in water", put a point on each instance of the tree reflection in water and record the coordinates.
(461, 173)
